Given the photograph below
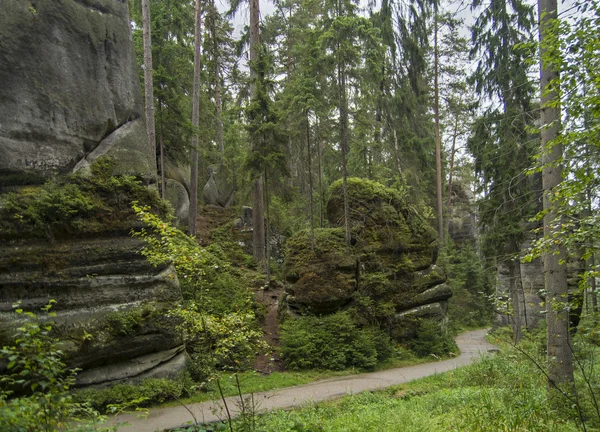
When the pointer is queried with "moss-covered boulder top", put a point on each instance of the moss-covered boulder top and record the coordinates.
(388, 274)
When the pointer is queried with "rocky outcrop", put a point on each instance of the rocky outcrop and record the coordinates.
(70, 90)
(110, 304)
(462, 221)
(218, 190)
(388, 274)
(70, 101)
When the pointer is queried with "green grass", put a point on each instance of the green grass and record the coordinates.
(502, 392)
(254, 382)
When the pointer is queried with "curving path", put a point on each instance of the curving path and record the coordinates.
(471, 344)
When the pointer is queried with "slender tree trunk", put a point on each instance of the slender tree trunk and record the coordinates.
(438, 143)
(219, 116)
(560, 360)
(258, 215)
(310, 182)
(450, 175)
(163, 186)
(343, 107)
(268, 244)
(320, 168)
(195, 123)
(591, 262)
(521, 290)
(397, 149)
(148, 84)
(515, 298)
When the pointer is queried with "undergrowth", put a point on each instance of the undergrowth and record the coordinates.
(505, 391)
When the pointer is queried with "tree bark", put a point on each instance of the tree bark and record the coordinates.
(320, 168)
(217, 60)
(560, 360)
(148, 84)
(438, 143)
(258, 215)
(343, 108)
(310, 183)
(450, 175)
(195, 123)
(515, 299)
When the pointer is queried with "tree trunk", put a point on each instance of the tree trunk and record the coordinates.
(195, 123)
(450, 175)
(258, 215)
(438, 143)
(268, 243)
(515, 299)
(217, 83)
(397, 149)
(343, 108)
(320, 168)
(310, 183)
(560, 360)
(148, 84)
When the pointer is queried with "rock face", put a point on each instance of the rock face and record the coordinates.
(388, 274)
(70, 91)
(110, 304)
(462, 223)
(218, 190)
(70, 100)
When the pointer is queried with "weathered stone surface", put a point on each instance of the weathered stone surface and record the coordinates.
(70, 96)
(462, 224)
(161, 364)
(110, 302)
(69, 89)
(218, 190)
(406, 323)
(179, 198)
(389, 267)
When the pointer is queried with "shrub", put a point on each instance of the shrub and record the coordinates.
(431, 340)
(35, 387)
(331, 342)
(127, 396)
(228, 342)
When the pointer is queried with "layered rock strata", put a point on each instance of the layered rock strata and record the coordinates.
(388, 273)
(70, 101)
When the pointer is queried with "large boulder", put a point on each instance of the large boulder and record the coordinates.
(218, 190)
(387, 274)
(70, 101)
(70, 90)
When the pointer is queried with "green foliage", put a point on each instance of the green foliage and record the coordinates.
(217, 322)
(77, 204)
(504, 391)
(228, 342)
(131, 396)
(331, 342)
(432, 340)
(571, 49)
(34, 393)
(470, 305)
(206, 278)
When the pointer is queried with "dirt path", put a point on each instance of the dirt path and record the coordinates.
(471, 345)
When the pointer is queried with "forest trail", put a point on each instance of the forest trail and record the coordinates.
(471, 344)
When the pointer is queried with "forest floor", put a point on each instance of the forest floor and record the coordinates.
(471, 344)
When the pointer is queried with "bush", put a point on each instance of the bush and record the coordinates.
(35, 387)
(331, 342)
(431, 340)
(128, 396)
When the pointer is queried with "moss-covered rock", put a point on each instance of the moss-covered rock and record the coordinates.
(388, 270)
